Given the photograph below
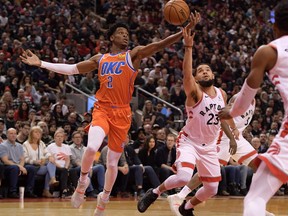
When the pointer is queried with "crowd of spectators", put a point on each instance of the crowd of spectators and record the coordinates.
(69, 31)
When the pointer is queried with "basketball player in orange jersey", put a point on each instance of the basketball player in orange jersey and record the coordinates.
(195, 144)
(117, 71)
(273, 165)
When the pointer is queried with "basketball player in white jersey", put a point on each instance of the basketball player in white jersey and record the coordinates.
(245, 152)
(245, 155)
(196, 144)
(273, 168)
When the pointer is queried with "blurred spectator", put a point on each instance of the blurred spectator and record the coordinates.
(35, 153)
(87, 84)
(46, 138)
(165, 158)
(23, 132)
(147, 154)
(9, 120)
(12, 155)
(61, 101)
(3, 109)
(2, 127)
(161, 138)
(21, 99)
(22, 112)
(264, 143)
(138, 170)
(255, 142)
(160, 117)
(61, 154)
(149, 112)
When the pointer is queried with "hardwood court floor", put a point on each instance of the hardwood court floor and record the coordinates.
(218, 206)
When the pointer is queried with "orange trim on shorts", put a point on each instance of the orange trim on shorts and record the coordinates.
(211, 179)
(223, 162)
(256, 162)
(189, 165)
(275, 170)
(244, 157)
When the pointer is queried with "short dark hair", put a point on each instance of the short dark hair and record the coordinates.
(113, 28)
(281, 15)
(194, 72)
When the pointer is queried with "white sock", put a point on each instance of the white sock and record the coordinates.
(156, 191)
(184, 192)
(188, 205)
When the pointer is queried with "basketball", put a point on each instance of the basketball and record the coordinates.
(176, 12)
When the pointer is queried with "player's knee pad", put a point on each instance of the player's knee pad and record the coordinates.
(184, 175)
(96, 136)
(208, 190)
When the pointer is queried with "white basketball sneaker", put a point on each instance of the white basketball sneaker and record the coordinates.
(78, 196)
(101, 204)
(174, 202)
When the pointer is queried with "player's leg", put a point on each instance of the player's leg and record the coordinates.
(110, 178)
(184, 165)
(117, 135)
(209, 171)
(264, 185)
(223, 155)
(95, 138)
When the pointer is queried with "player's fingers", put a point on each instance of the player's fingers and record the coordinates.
(189, 31)
(193, 35)
(24, 54)
(29, 53)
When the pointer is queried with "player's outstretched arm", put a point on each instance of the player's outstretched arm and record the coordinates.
(191, 88)
(264, 60)
(140, 52)
(30, 58)
(233, 145)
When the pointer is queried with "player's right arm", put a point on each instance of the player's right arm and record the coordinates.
(67, 69)
(191, 88)
(264, 60)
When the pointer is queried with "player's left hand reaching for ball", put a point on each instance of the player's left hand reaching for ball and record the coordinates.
(194, 20)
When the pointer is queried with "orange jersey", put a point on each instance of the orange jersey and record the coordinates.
(116, 75)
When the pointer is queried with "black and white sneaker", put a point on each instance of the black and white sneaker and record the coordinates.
(145, 201)
(185, 212)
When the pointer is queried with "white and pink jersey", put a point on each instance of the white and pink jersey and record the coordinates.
(203, 124)
(276, 156)
(241, 122)
(279, 73)
(245, 152)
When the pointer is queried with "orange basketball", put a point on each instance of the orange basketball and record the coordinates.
(176, 12)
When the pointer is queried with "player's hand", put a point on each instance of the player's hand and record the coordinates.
(30, 58)
(194, 19)
(187, 37)
(233, 146)
(225, 112)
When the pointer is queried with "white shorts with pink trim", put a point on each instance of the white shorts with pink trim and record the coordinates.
(203, 155)
(276, 158)
(244, 155)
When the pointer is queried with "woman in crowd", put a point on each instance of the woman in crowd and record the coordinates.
(35, 153)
